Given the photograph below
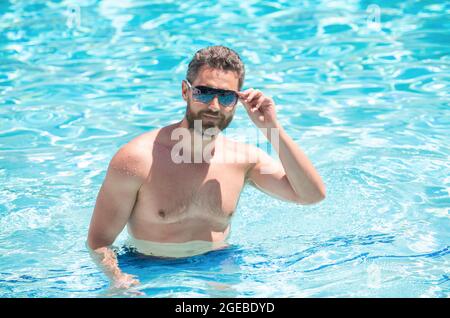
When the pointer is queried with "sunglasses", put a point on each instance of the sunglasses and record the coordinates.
(205, 94)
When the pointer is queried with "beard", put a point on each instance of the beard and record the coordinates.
(211, 128)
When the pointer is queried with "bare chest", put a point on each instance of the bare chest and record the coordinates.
(178, 193)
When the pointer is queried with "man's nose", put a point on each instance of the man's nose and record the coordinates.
(214, 104)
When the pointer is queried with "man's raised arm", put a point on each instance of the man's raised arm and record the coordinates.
(297, 180)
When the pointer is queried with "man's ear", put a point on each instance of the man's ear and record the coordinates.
(184, 91)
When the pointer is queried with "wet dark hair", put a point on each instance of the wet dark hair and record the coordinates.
(218, 57)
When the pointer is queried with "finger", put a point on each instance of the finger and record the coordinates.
(245, 93)
(242, 94)
(244, 101)
(252, 95)
(259, 102)
(256, 104)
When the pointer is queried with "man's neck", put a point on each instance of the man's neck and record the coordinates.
(199, 141)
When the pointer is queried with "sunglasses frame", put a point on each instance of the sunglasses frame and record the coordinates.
(216, 92)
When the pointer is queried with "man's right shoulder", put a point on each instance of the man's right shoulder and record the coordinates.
(135, 157)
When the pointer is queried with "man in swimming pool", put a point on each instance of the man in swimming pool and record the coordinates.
(166, 202)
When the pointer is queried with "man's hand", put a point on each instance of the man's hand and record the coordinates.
(260, 108)
(122, 286)
(124, 281)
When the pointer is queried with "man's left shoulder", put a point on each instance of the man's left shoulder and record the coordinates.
(242, 153)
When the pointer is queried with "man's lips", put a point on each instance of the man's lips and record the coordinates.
(210, 116)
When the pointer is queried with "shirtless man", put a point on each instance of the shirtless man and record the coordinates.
(174, 203)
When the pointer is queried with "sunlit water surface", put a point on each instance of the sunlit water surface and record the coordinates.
(367, 102)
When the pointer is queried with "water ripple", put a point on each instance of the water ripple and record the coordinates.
(367, 102)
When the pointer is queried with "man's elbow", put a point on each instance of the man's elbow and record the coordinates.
(91, 243)
(94, 242)
(313, 198)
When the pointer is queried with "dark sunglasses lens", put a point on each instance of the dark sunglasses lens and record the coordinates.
(204, 98)
(228, 99)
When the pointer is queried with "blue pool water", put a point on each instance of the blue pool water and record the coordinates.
(367, 101)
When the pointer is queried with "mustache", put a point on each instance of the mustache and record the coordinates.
(219, 115)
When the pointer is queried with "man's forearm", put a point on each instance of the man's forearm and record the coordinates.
(303, 177)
